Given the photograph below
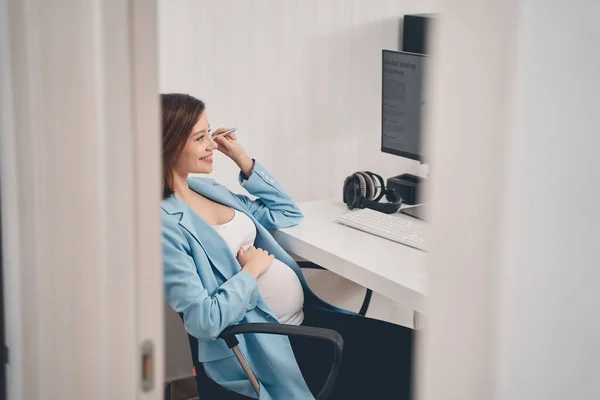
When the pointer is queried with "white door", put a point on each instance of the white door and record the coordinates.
(514, 300)
(80, 189)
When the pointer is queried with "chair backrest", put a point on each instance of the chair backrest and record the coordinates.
(199, 369)
(207, 388)
(194, 348)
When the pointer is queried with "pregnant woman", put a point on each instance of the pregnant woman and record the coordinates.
(222, 267)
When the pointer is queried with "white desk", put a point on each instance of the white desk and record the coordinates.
(388, 268)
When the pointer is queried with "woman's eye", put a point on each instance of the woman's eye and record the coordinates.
(201, 138)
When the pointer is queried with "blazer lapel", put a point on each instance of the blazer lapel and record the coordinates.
(218, 194)
(214, 246)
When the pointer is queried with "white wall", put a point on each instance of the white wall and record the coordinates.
(517, 251)
(302, 80)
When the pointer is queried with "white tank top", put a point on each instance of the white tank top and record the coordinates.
(279, 285)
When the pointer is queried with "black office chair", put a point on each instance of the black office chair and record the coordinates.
(210, 390)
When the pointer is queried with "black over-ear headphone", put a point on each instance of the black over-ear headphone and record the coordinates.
(365, 189)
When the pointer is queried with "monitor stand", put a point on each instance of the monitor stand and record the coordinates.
(420, 211)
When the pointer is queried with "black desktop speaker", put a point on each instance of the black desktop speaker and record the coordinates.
(408, 187)
(415, 33)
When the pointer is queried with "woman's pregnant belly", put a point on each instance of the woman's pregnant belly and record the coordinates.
(282, 291)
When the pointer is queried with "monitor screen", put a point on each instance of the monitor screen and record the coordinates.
(402, 103)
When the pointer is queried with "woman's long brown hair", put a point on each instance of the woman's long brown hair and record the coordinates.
(180, 113)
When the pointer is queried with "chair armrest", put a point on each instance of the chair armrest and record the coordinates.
(329, 335)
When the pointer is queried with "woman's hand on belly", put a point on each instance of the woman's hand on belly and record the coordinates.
(255, 261)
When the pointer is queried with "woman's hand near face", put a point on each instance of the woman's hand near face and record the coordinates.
(229, 146)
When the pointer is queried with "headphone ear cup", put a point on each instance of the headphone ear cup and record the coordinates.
(392, 196)
(380, 187)
(362, 184)
(352, 192)
(349, 191)
(370, 186)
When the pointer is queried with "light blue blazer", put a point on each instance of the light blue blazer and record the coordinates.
(203, 280)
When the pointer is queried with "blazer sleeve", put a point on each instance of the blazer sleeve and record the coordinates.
(204, 315)
(273, 208)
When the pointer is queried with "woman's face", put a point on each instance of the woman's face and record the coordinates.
(196, 157)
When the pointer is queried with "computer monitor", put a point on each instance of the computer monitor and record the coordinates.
(402, 103)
